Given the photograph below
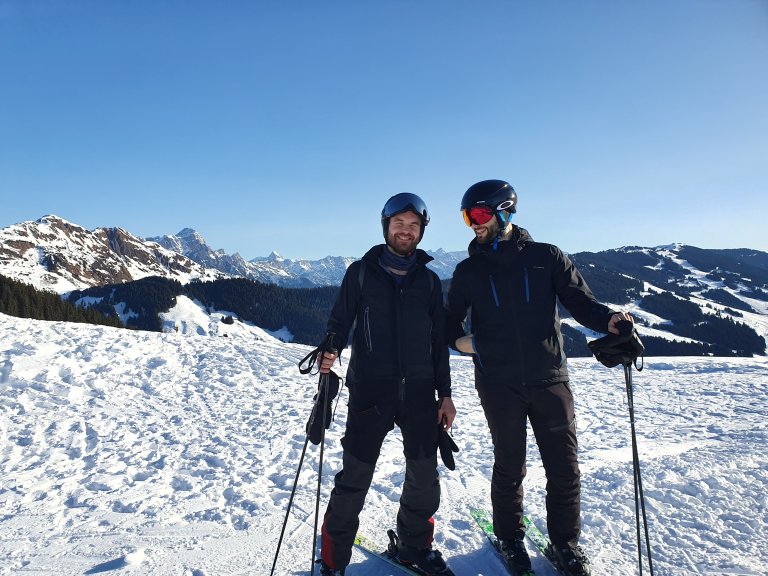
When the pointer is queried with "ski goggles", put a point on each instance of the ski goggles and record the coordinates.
(478, 215)
(406, 202)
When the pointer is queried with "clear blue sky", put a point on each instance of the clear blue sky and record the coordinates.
(287, 124)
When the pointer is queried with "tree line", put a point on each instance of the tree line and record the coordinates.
(304, 311)
(24, 301)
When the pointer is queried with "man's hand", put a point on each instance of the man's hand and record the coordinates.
(446, 412)
(328, 359)
(617, 318)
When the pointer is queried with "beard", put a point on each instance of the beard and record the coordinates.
(401, 244)
(488, 232)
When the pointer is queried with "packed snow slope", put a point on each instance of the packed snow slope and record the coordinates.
(170, 454)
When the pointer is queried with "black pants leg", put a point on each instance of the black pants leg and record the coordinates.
(362, 441)
(550, 410)
(506, 409)
(420, 498)
(419, 501)
(553, 422)
(341, 517)
(363, 437)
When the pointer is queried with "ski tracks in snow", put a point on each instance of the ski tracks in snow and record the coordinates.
(161, 454)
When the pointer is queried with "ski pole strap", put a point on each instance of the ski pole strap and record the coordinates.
(307, 363)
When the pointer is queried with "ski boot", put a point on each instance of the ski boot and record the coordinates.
(570, 559)
(426, 561)
(516, 556)
(326, 570)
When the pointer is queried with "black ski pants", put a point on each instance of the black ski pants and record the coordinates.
(550, 411)
(362, 441)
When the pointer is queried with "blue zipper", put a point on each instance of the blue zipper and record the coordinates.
(493, 290)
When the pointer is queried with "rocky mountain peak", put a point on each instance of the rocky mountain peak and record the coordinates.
(54, 254)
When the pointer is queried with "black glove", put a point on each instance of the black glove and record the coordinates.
(327, 392)
(622, 348)
(447, 446)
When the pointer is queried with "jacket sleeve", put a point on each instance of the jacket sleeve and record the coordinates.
(456, 311)
(576, 296)
(344, 309)
(439, 347)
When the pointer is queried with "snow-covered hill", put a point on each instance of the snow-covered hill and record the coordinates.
(174, 454)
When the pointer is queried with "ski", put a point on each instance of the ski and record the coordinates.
(485, 524)
(388, 556)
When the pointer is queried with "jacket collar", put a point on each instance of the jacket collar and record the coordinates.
(506, 249)
(372, 256)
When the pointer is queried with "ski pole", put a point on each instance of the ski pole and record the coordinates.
(311, 358)
(290, 504)
(322, 393)
(324, 390)
(636, 477)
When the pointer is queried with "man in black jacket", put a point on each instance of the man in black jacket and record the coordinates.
(512, 285)
(399, 360)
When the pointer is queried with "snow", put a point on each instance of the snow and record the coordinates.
(190, 317)
(174, 453)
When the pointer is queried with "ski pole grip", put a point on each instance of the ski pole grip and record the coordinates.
(625, 328)
(327, 345)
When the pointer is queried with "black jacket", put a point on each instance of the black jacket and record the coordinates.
(513, 292)
(398, 341)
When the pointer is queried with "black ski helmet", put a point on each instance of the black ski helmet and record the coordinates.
(496, 194)
(404, 202)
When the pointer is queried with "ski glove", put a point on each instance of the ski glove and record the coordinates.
(622, 348)
(447, 446)
(327, 389)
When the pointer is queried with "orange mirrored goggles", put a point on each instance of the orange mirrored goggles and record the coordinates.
(477, 215)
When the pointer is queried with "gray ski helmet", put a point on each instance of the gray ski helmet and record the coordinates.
(496, 194)
(404, 202)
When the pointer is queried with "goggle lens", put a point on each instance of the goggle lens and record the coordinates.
(477, 215)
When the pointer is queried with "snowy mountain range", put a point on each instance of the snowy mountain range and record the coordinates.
(274, 269)
(54, 254)
(714, 299)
